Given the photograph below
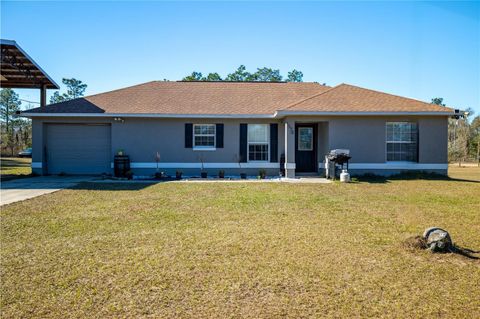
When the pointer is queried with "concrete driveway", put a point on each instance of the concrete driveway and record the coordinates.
(25, 188)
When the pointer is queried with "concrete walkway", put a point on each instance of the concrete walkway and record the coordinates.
(25, 188)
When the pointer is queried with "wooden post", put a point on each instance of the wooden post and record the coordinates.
(43, 95)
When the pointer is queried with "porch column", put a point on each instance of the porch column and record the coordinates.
(43, 95)
(289, 148)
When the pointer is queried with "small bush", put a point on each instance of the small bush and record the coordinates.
(262, 174)
(178, 174)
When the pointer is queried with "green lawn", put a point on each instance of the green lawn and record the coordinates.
(11, 167)
(257, 250)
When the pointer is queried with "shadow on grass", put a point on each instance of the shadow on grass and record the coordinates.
(420, 243)
(376, 179)
(14, 168)
(11, 177)
(466, 252)
(14, 162)
(113, 186)
(28, 183)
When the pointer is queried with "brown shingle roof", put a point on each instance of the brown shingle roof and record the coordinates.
(349, 98)
(192, 98)
(239, 98)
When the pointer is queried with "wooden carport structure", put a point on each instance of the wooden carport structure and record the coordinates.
(19, 70)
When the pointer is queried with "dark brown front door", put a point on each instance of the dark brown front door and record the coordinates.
(306, 148)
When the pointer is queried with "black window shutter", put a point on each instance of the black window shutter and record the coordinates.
(243, 142)
(418, 144)
(219, 137)
(274, 142)
(188, 135)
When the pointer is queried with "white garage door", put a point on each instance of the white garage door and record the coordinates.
(78, 148)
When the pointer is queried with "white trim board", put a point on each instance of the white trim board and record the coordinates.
(394, 165)
(290, 165)
(258, 165)
(36, 165)
(164, 165)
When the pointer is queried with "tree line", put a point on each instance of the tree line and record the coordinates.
(463, 136)
(16, 132)
(242, 75)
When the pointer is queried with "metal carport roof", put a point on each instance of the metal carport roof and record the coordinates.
(19, 70)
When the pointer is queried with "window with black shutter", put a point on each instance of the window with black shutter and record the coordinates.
(243, 143)
(219, 137)
(273, 142)
(188, 135)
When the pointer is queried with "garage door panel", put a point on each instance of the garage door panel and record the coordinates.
(78, 149)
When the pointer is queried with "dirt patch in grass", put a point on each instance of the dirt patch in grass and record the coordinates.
(415, 243)
(254, 250)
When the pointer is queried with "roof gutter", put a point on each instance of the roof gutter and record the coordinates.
(459, 113)
(148, 115)
(280, 114)
(276, 115)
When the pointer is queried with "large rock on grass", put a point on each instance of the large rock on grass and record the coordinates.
(438, 240)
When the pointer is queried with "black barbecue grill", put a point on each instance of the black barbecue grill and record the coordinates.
(336, 157)
(339, 157)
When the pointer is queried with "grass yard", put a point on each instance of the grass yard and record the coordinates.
(11, 167)
(256, 250)
(466, 171)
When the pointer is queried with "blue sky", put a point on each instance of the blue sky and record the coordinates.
(419, 50)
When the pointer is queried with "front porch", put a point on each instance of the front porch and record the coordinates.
(419, 144)
(306, 144)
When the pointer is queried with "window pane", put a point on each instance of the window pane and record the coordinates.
(305, 138)
(389, 132)
(204, 129)
(396, 147)
(204, 140)
(258, 133)
(204, 135)
(396, 156)
(210, 129)
(401, 141)
(396, 132)
(412, 152)
(258, 152)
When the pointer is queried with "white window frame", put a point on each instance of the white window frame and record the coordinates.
(202, 147)
(257, 143)
(298, 138)
(398, 142)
